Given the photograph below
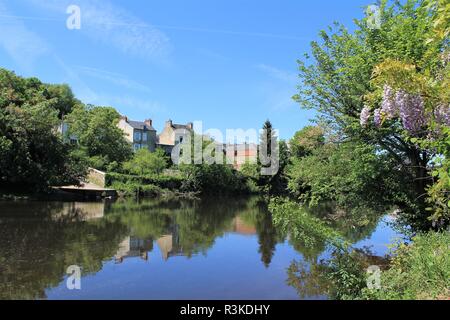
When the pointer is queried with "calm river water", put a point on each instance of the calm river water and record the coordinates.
(156, 249)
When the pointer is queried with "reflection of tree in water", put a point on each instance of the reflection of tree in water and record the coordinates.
(311, 276)
(268, 236)
(38, 243)
(343, 274)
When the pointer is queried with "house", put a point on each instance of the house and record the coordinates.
(139, 134)
(173, 134)
(132, 247)
(169, 245)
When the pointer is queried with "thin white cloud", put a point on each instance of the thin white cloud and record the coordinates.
(279, 91)
(113, 78)
(127, 103)
(21, 44)
(279, 74)
(109, 24)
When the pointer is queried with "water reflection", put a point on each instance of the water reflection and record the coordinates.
(217, 248)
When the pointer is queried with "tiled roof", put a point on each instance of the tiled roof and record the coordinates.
(180, 126)
(140, 125)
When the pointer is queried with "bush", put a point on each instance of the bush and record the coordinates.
(213, 179)
(145, 162)
(133, 189)
(165, 182)
(420, 270)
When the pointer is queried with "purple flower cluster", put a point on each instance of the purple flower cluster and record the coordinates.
(377, 117)
(388, 106)
(412, 111)
(364, 117)
(409, 108)
(442, 114)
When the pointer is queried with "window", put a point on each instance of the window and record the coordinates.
(181, 139)
(137, 136)
(137, 146)
(144, 136)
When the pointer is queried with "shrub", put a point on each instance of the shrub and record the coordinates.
(213, 179)
(165, 182)
(420, 270)
(145, 162)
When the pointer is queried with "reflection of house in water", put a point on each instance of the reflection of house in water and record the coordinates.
(243, 228)
(169, 245)
(133, 247)
(82, 211)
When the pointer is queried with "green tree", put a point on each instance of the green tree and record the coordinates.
(145, 162)
(32, 155)
(345, 79)
(306, 141)
(99, 137)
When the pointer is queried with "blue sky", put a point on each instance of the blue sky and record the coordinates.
(228, 63)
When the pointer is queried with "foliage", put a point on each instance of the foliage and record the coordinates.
(145, 162)
(418, 271)
(99, 137)
(307, 140)
(163, 181)
(252, 171)
(300, 224)
(439, 191)
(350, 174)
(213, 179)
(394, 73)
(32, 155)
(269, 182)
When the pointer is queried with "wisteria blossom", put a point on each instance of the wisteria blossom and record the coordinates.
(365, 115)
(377, 117)
(388, 106)
(442, 114)
(409, 108)
(412, 111)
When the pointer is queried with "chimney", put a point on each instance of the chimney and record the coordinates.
(124, 118)
(169, 123)
(148, 122)
(190, 126)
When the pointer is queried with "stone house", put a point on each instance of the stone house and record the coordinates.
(173, 134)
(139, 134)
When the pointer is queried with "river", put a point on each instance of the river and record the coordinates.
(215, 248)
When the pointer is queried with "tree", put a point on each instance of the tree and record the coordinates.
(146, 162)
(98, 135)
(32, 155)
(306, 141)
(352, 175)
(347, 78)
